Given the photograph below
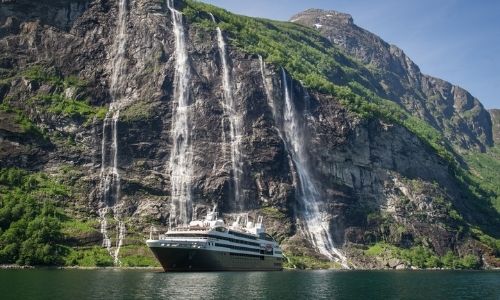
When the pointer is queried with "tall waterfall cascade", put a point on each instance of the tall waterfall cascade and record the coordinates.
(110, 175)
(315, 225)
(277, 117)
(181, 157)
(235, 122)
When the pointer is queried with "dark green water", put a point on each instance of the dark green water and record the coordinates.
(134, 284)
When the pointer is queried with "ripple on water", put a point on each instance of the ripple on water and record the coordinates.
(147, 284)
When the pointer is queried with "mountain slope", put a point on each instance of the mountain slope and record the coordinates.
(383, 178)
(448, 108)
(495, 118)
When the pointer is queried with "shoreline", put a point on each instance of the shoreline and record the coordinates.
(19, 267)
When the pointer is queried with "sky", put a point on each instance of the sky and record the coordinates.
(456, 40)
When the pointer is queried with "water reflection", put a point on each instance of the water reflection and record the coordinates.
(147, 284)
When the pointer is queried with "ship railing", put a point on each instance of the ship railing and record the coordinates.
(190, 229)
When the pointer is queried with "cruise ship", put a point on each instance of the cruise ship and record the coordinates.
(210, 245)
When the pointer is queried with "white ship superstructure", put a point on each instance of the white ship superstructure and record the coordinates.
(210, 245)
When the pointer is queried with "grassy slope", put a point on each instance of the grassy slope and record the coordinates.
(486, 170)
(55, 102)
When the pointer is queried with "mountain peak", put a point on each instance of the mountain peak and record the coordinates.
(321, 17)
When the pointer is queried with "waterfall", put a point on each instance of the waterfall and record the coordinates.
(290, 130)
(235, 121)
(106, 241)
(277, 118)
(267, 90)
(121, 235)
(109, 175)
(181, 157)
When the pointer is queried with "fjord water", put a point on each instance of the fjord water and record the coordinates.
(147, 284)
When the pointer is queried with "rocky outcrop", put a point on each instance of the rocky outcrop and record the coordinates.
(495, 119)
(449, 108)
(377, 181)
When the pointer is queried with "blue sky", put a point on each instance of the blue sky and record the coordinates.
(456, 40)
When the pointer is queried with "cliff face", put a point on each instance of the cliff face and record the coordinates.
(495, 119)
(375, 181)
(449, 108)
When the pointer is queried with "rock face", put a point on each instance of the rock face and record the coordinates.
(377, 181)
(449, 108)
(495, 118)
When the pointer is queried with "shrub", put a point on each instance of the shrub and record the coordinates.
(30, 229)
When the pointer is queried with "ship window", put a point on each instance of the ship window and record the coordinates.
(201, 235)
(246, 236)
(237, 247)
(243, 255)
(266, 237)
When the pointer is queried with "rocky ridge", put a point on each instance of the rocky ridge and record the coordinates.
(449, 108)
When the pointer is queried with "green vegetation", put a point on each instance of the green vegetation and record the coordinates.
(486, 170)
(33, 227)
(20, 119)
(49, 75)
(56, 102)
(30, 229)
(88, 257)
(137, 256)
(492, 243)
(377, 249)
(450, 260)
(272, 212)
(73, 227)
(138, 110)
(422, 257)
(72, 108)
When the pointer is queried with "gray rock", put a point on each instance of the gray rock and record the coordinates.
(449, 108)
(495, 118)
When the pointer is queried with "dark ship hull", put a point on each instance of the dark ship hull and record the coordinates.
(186, 259)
